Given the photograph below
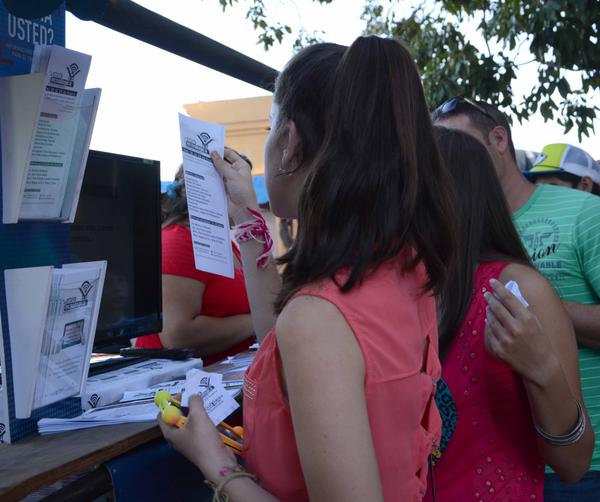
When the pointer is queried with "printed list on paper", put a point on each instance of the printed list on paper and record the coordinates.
(206, 197)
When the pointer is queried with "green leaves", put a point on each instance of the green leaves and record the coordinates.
(562, 35)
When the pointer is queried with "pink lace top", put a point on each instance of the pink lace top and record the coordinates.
(492, 455)
(392, 324)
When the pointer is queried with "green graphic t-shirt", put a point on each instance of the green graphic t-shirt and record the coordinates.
(560, 229)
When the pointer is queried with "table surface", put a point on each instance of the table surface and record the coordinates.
(37, 461)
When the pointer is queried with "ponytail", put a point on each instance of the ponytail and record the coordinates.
(377, 186)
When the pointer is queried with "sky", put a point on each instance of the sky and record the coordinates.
(144, 88)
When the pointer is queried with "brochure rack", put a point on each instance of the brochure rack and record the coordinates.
(25, 245)
(20, 106)
(46, 352)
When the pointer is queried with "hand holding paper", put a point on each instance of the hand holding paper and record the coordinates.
(198, 439)
(238, 184)
(513, 333)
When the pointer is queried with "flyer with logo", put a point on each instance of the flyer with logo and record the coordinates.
(52, 149)
(218, 403)
(206, 197)
(69, 333)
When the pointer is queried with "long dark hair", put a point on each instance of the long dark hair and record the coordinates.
(377, 185)
(487, 232)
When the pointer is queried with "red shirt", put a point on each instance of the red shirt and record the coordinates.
(222, 296)
(392, 321)
(493, 454)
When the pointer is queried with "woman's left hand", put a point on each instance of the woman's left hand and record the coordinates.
(514, 334)
(200, 442)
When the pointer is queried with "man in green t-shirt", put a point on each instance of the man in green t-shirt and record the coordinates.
(560, 229)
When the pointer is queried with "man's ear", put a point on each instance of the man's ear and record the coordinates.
(498, 137)
(586, 184)
(293, 153)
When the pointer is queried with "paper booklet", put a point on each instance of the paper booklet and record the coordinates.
(233, 368)
(119, 413)
(138, 406)
(54, 115)
(68, 336)
(52, 316)
(206, 197)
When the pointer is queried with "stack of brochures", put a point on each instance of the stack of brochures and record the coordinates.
(46, 121)
(52, 316)
(138, 405)
(119, 413)
(233, 369)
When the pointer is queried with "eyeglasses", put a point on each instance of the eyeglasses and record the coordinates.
(451, 105)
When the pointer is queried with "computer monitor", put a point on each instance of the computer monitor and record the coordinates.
(118, 220)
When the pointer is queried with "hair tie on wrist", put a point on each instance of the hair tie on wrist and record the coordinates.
(255, 229)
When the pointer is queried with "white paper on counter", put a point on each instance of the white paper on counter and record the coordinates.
(173, 387)
(206, 197)
(121, 413)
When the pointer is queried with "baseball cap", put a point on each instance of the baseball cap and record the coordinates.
(562, 158)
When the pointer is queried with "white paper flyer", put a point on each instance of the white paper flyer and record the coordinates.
(66, 72)
(218, 403)
(206, 197)
(69, 332)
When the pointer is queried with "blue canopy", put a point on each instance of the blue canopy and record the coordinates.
(261, 190)
(259, 187)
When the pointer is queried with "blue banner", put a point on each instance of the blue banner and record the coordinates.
(18, 37)
(28, 244)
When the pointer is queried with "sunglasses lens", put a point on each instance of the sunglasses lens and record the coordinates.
(450, 105)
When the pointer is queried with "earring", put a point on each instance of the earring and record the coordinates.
(281, 170)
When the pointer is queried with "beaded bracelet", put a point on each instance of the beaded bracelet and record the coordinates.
(228, 474)
(255, 229)
(569, 438)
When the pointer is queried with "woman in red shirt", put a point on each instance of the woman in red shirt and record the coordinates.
(512, 370)
(202, 311)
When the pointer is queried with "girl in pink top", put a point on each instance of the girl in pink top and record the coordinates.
(508, 367)
(338, 404)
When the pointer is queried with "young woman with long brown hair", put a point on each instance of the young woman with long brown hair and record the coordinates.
(512, 369)
(338, 403)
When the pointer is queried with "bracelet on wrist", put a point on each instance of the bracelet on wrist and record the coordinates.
(566, 439)
(227, 474)
(255, 229)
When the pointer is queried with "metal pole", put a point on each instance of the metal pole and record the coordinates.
(138, 22)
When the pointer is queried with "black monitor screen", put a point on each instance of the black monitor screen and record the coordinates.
(118, 220)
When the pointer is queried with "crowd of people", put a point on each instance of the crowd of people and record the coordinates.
(433, 332)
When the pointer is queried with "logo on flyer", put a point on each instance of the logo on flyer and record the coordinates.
(57, 78)
(85, 289)
(94, 400)
(201, 147)
(205, 386)
(73, 70)
(73, 302)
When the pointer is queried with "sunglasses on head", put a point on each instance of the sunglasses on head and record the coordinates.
(451, 105)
